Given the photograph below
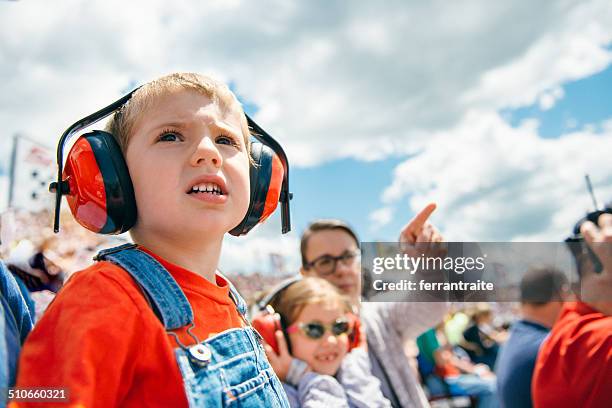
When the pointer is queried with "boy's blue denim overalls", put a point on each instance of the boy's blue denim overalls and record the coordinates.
(229, 369)
(16, 321)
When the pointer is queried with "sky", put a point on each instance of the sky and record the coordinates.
(493, 110)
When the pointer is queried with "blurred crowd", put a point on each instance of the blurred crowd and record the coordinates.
(480, 354)
(27, 235)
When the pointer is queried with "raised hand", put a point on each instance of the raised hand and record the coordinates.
(597, 287)
(282, 361)
(419, 236)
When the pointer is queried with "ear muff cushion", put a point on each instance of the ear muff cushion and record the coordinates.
(101, 190)
(260, 175)
(284, 325)
(274, 188)
(267, 324)
(120, 199)
(355, 337)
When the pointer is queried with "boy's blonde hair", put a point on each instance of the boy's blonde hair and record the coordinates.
(308, 291)
(121, 124)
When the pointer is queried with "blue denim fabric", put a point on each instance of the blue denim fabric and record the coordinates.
(4, 361)
(27, 298)
(17, 304)
(15, 324)
(236, 372)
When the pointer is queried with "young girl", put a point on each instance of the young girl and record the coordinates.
(313, 359)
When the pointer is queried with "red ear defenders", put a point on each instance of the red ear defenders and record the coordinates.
(99, 191)
(267, 321)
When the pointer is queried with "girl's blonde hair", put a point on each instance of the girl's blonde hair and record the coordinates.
(121, 124)
(308, 291)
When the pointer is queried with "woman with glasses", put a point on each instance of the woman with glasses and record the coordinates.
(312, 357)
(330, 250)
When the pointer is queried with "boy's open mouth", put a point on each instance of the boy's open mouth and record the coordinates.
(206, 188)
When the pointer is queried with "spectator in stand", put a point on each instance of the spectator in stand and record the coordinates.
(481, 339)
(453, 366)
(574, 365)
(542, 292)
(330, 250)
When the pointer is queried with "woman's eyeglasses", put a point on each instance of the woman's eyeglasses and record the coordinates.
(326, 265)
(316, 330)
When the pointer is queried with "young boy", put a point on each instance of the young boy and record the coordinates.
(185, 140)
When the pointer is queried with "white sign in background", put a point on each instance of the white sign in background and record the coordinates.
(34, 170)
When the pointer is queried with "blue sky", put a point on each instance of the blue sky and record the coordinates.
(350, 189)
(323, 191)
(586, 102)
(347, 189)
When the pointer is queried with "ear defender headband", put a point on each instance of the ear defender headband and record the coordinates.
(99, 191)
(267, 321)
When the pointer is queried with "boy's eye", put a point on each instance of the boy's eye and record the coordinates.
(167, 136)
(227, 140)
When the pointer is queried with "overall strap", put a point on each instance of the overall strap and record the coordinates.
(165, 296)
(236, 298)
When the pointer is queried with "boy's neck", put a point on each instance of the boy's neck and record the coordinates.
(198, 257)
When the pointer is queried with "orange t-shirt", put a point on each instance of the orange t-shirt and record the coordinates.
(574, 365)
(101, 340)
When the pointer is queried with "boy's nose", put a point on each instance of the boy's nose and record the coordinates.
(206, 153)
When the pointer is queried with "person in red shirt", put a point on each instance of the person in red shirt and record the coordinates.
(574, 365)
(153, 324)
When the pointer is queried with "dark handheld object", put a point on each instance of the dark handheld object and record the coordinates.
(52, 278)
(99, 191)
(579, 247)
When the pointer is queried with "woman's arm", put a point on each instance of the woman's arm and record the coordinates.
(321, 391)
(361, 387)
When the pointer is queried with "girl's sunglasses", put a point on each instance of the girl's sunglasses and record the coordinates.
(316, 330)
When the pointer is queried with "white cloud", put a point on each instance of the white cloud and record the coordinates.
(332, 81)
(548, 99)
(494, 182)
(381, 217)
(252, 253)
(573, 48)
(607, 126)
(4, 194)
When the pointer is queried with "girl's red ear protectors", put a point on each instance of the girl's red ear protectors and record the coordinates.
(99, 191)
(267, 323)
(355, 336)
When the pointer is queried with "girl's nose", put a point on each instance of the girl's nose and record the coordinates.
(331, 339)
